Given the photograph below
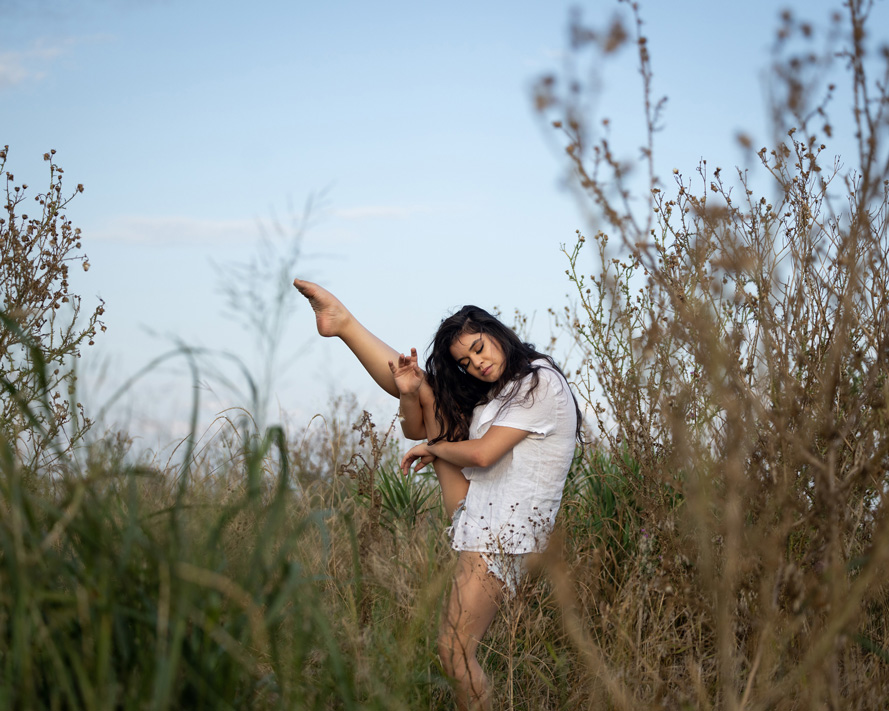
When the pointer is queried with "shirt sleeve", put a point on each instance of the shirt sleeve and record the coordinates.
(538, 412)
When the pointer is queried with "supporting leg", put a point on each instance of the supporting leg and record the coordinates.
(450, 477)
(473, 603)
(334, 319)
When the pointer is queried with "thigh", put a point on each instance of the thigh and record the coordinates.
(427, 403)
(472, 605)
(453, 484)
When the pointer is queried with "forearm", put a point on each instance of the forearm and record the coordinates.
(465, 453)
(412, 417)
(483, 452)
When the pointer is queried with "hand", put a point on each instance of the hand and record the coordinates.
(419, 454)
(408, 375)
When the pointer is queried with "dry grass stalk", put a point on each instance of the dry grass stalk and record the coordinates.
(735, 350)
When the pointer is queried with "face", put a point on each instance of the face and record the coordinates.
(479, 355)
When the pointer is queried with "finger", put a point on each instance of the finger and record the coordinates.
(392, 366)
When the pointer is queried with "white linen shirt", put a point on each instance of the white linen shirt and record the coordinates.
(511, 506)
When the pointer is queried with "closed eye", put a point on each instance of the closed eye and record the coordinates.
(476, 348)
(465, 362)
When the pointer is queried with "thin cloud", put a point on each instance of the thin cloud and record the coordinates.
(29, 64)
(372, 212)
(134, 229)
(33, 64)
(13, 71)
(545, 59)
(145, 229)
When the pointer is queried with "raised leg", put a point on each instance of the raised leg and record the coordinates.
(450, 477)
(334, 319)
(472, 605)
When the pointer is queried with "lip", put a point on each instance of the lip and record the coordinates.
(486, 371)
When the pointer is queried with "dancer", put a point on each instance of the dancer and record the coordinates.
(501, 424)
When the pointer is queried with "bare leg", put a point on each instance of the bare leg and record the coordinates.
(473, 603)
(334, 319)
(450, 477)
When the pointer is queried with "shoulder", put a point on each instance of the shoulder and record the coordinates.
(546, 369)
(543, 382)
(548, 376)
(540, 402)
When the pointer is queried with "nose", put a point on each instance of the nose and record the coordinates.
(477, 362)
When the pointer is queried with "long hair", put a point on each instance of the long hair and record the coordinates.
(456, 392)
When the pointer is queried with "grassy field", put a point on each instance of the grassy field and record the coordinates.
(306, 573)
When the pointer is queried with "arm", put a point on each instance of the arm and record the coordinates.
(412, 417)
(408, 380)
(482, 452)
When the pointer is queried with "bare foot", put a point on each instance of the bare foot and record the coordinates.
(331, 316)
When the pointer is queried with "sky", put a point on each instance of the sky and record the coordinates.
(202, 129)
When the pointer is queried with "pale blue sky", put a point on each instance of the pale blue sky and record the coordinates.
(192, 121)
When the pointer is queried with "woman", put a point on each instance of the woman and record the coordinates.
(501, 425)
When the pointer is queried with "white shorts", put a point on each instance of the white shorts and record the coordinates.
(508, 568)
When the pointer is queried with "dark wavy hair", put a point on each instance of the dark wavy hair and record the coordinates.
(456, 392)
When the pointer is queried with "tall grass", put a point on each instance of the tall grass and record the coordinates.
(123, 587)
(256, 583)
(733, 334)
